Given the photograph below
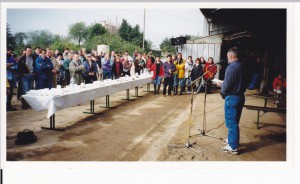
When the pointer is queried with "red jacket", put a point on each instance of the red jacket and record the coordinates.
(279, 83)
(161, 71)
(149, 63)
(211, 70)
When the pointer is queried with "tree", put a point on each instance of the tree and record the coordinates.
(95, 29)
(10, 39)
(125, 30)
(20, 38)
(63, 42)
(166, 46)
(78, 31)
(40, 38)
(132, 34)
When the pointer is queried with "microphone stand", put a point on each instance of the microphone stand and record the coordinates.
(203, 132)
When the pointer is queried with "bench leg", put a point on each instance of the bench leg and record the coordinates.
(257, 123)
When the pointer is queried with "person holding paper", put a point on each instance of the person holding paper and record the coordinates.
(233, 88)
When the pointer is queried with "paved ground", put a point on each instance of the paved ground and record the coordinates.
(149, 128)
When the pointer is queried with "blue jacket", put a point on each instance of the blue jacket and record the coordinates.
(88, 68)
(236, 79)
(43, 68)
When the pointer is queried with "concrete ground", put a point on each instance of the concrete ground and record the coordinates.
(148, 128)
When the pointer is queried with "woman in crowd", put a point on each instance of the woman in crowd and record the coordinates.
(210, 70)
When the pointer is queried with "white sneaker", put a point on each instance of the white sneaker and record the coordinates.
(228, 149)
(225, 141)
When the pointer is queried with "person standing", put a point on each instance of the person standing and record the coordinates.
(197, 71)
(187, 73)
(117, 67)
(44, 71)
(90, 70)
(106, 67)
(37, 52)
(61, 76)
(66, 65)
(139, 64)
(211, 69)
(130, 59)
(11, 77)
(77, 70)
(55, 70)
(179, 75)
(126, 66)
(26, 65)
(232, 89)
(168, 68)
(158, 74)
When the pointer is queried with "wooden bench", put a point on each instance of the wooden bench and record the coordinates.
(265, 110)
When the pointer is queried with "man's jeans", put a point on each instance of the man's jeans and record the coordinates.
(27, 83)
(233, 110)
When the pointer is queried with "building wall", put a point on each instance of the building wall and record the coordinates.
(202, 50)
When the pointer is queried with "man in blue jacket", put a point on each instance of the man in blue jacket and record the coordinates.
(90, 69)
(233, 89)
(43, 69)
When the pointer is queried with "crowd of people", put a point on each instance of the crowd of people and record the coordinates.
(45, 68)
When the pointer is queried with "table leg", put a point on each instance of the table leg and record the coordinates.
(127, 95)
(106, 103)
(148, 88)
(92, 108)
(52, 124)
(137, 92)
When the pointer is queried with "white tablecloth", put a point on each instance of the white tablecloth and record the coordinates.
(59, 102)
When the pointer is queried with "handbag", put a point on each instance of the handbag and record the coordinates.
(25, 137)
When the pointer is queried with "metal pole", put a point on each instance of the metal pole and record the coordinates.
(144, 29)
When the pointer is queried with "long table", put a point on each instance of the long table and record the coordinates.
(81, 95)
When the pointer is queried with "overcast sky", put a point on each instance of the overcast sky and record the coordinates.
(160, 23)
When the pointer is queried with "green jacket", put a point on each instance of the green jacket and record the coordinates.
(77, 71)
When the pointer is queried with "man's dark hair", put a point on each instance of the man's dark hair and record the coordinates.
(36, 48)
(169, 56)
(59, 54)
